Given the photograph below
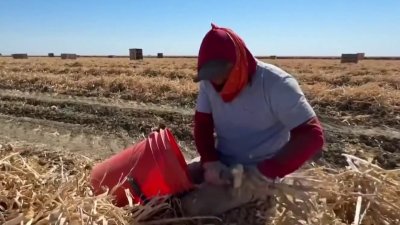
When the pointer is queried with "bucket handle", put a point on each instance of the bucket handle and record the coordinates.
(136, 188)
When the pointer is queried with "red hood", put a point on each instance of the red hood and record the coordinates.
(223, 44)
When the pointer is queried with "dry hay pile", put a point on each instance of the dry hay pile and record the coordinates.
(43, 187)
(362, 193)
(47, 187)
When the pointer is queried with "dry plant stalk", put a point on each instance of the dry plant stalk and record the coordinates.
(38, 187)
(41, 188)
(362, 193)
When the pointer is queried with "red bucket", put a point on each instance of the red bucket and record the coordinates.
(150, 168)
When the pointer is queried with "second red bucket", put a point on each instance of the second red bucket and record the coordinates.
(150, 168)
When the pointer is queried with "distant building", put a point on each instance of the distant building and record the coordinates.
(349, 58)
(20, 56)
(135, 53)
(68, 56)
(361, 56)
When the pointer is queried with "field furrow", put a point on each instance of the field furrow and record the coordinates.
(127, 121)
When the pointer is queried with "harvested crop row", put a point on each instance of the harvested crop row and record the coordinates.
(368, 88)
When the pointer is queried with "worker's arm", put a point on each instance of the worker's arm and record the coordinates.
(204, 127)
(204, 136)
(306, 135)
(205, 142)
(305, 141)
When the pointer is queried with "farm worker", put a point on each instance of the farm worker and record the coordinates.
(259, 114)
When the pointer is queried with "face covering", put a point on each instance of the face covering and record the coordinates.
(224, 44)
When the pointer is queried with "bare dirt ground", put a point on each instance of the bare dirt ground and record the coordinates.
(96, 127)
(99, 127)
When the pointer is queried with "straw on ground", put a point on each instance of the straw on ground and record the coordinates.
(49, 187)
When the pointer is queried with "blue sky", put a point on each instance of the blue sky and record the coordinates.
(174, 27)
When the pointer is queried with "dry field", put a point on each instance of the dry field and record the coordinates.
(97, 106)
(359, 104)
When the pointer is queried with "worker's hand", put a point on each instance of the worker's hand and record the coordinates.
(216, 173)
(251, 184)
(254, 186)
(255, 177)
(208, 199)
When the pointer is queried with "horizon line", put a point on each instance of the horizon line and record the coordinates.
(195, 56)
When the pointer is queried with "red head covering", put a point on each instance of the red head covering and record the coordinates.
(223, 44)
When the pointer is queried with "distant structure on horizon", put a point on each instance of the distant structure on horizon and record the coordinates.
(361, 56)
(68, 56)
(20, 56)
(349, 58)
(135, 53)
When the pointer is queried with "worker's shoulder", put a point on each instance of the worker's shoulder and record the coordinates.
(276, 81)
(272, 73)
(274, 77)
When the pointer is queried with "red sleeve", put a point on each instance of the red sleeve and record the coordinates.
(305, 141)
(204, 136)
